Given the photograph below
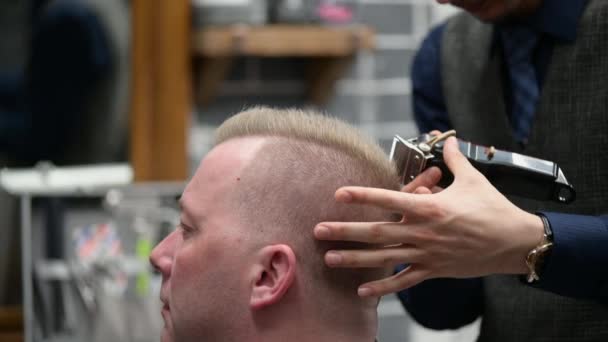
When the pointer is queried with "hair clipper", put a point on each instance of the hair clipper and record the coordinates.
(511, 173)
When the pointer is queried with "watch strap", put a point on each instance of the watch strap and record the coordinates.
(536, 257)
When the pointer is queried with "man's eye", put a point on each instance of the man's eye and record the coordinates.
(186, 230)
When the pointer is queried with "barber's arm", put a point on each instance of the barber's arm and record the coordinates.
(467, 230)
(578, 262)
(444, 303)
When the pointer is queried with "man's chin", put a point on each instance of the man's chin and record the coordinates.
(166, 335)
(167, 332)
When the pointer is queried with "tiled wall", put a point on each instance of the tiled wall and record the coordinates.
(374, 94)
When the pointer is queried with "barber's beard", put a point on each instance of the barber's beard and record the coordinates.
(509, 10)
(517, 9)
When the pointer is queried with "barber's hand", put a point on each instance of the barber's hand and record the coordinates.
(424, 182)
(467, 230)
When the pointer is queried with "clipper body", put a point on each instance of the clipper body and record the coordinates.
(511, 173)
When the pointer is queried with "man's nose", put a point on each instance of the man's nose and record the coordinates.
(161, 257)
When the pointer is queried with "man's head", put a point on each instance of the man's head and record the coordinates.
(495, 10)
(244, 259)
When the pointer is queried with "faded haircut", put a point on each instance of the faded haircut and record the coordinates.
(291, 184)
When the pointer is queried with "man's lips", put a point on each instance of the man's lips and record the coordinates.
(165, 312)
(165, 303)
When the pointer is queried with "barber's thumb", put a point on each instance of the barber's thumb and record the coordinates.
(454, 159)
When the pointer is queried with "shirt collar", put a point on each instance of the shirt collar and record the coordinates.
(557, 18)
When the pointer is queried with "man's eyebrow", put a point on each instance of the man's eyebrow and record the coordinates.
(186, 213)
(182, 208)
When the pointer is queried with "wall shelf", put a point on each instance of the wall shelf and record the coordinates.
(330, 50)
(164, 44)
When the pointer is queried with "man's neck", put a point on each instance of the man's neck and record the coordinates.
(345, 326)
(318, 335)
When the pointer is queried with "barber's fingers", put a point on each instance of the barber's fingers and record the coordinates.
(382, 233)
(426, 191)
(368, 232)
(405, 279)
(382, 257)
(428, 179)
(423, 191)
(395, 201)
(455, 160)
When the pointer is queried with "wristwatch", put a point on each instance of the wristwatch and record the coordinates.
(537, 256)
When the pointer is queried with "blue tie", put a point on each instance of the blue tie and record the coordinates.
(519, 43)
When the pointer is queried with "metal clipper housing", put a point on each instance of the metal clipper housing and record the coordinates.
(511, 173)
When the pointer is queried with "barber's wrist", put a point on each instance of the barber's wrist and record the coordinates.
(536, 258)
(528, 238)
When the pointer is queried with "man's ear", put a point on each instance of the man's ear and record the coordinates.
(273, 274)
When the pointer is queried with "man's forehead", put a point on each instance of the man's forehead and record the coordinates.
(221, 169)
(235, 153)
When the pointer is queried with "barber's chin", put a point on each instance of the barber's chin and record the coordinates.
(482, 9)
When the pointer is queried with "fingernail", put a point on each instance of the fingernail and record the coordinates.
(434, 173)
(333, 258)
(322, 232)
(344, 196)
(364, 291)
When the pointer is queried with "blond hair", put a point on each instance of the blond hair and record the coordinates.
(308, 126)
(293, 180)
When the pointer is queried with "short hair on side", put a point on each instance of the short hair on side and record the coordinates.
(309, 126)
(308, 157)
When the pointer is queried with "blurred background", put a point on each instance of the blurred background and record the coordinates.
(107, 106)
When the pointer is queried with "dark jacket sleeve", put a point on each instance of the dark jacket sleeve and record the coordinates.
(444, 303)
(578, 263)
